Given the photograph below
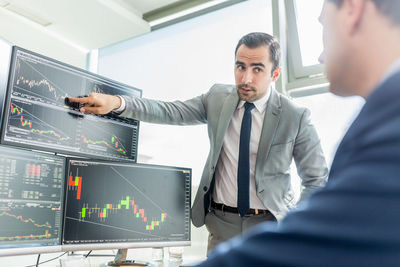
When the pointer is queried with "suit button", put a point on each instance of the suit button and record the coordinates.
(205, 188)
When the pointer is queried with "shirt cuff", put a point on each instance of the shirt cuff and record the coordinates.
(122, 107)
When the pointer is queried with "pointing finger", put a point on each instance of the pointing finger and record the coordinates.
(82, 100)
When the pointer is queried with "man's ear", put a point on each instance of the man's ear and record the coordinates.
(276, 73)
(354, 12)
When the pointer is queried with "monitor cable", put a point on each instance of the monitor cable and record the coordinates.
(38, 263)
(88, 254)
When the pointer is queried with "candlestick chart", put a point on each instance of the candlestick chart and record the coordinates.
(116, 202)
(34, 123)
(108, 137)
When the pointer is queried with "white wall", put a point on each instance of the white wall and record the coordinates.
(29, 35)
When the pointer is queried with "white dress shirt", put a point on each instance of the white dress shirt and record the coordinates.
(225, 189)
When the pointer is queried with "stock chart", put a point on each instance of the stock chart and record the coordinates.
(31, 197)
(116, 202)
(37, 116)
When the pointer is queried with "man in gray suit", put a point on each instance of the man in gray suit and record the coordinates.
(254, 134)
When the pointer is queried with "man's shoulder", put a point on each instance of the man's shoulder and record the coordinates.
(289, 104)
(220, 88)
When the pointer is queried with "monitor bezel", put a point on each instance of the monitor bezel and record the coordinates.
(6, 55)
(124, 245)
(128, 244)
(67, 153)
(5, 252)
(35, 247)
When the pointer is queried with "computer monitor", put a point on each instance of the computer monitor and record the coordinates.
(37, 115)
(31, 201)
(125, 205)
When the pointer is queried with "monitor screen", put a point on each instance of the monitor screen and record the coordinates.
(31, 201)
(37, 116)
(123, 205)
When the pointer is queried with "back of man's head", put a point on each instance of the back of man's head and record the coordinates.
(389, 8)
(361, 42)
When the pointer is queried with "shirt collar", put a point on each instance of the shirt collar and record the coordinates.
(260, 104)
(395, 67)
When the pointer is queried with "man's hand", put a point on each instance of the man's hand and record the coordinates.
(97, 103)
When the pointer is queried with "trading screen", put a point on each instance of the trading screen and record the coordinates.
(31, 198)
(117, 202)
(37, 115)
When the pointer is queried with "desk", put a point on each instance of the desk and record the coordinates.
(143, 255)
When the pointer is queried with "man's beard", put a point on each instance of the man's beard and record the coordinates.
(246, 97)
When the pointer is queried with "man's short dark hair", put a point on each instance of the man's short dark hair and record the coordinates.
(389, 8)
(257, 39)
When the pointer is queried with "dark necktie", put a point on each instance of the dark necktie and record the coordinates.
(243, 178)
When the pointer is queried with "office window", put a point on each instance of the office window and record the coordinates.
(304, 37)
(310, 31)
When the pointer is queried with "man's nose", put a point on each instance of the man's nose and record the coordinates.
(321, 58)
(247, 77)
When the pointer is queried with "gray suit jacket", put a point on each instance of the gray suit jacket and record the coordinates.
(287, 134)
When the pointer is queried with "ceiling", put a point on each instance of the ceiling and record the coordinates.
(92, 24)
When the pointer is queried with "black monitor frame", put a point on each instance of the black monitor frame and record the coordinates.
(5, 56)
(124, 244)
(84, 149)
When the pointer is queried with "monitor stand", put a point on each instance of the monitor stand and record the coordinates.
(120, 260)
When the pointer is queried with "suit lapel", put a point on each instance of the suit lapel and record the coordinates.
(225, 117)
(271, 120)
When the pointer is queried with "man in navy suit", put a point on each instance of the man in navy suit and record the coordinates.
(355, 219)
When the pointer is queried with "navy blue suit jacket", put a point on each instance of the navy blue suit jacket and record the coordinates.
(355, 219)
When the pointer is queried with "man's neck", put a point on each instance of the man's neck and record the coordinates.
(379, 50)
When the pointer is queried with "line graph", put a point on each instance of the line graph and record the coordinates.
(114, 143)
(43, 81)
(29, 220)
(33, 84)
(101, 225)
(38, 116)
(46, 234)
(37, 123)
(108, 137)
(32, 194)
(55, 126)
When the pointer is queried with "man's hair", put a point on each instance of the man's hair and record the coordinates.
(389, 8)
(257, 39)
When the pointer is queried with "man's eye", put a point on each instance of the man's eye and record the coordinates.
(258, 70)
(240, 67)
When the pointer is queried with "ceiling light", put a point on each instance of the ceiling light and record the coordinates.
(4, 3)
(185, 12)
(29, 15)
